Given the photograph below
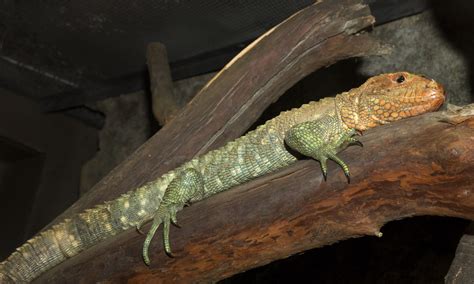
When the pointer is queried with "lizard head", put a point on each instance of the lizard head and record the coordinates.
(389, 97)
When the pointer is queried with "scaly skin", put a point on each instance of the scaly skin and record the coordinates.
(318, 130)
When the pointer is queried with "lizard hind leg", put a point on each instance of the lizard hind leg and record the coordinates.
(186, 186)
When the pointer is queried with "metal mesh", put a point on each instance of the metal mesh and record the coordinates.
(107, 38)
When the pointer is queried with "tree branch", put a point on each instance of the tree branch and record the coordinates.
(418, 166)
(165, 103)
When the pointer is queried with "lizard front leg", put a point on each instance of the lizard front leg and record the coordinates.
(322, 140)
(187, 185)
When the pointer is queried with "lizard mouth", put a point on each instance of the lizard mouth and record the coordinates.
(434, 96)
(430, 98)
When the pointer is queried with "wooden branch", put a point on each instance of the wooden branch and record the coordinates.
(461, 268)
(228, 105)
(165, 104)
(419, 166)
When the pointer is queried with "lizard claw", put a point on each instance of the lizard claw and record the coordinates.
(139, 229)
(324, 168)
(170, 254)
(174, 220)
(359, 143)
(343, 165)
(162, 215)
(353, 138)
(156, 223)
(355, 141)
(348, 176)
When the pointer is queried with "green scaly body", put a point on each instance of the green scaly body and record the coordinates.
(318, 130)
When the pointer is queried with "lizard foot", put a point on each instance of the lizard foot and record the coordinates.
(322, 140)
(185, 187)
(165, 215)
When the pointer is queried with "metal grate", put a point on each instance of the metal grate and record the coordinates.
(103, 39)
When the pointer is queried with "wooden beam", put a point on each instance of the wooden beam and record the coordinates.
(418, 166)
(228, 105)
(165, 103)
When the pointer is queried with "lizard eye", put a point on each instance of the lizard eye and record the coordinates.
(401, 79)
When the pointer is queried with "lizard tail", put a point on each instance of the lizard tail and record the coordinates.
(55, 245)
(70, 237)
(32, 258)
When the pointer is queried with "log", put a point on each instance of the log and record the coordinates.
(418, 166)
(229, 104)
(165, 104)
(461, 268)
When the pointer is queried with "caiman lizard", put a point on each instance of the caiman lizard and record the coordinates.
(318, 130)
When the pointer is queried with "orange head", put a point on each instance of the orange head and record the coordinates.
(389, 97)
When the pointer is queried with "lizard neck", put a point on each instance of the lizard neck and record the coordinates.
(347, 110)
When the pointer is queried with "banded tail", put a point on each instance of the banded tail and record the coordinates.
(68, 238)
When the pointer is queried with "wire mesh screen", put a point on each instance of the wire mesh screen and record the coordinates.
(107, 38)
